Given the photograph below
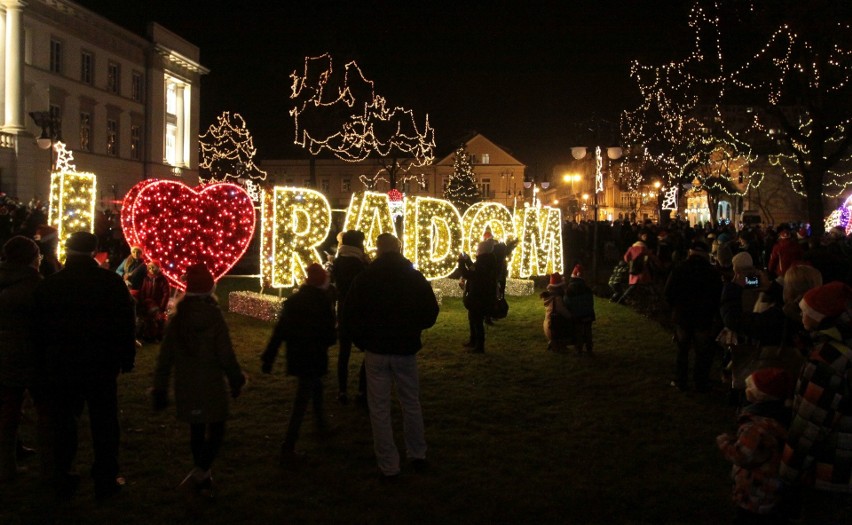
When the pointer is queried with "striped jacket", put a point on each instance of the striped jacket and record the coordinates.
(819, 443)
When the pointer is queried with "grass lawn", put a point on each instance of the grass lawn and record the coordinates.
(516, 435)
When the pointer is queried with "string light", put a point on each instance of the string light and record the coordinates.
(295, 222)
(433, 236)
(670, 198)
(369, 127)
(841, 217)
(540, 249)
(461, 188)
(260, 306)
(227, 150)
(482, 216)
(178, 226)
(370, 213)
(71, 206)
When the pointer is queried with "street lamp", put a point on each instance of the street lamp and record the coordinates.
(535, 189)
(51, 132)
(613, 153)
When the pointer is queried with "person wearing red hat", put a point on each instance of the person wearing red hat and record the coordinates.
(307, 326)
(819, 442)
(557, 324)
(786, 251)
(197, 346)
(580, 302)
(756, 448)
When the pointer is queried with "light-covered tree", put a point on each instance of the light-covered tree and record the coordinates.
(227, 150)
(462, 189)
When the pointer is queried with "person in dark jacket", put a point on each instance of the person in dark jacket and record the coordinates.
(692, 291)
(19, 277)
(197, 346)
(152, 303)
(580, 302)
(349, 262)
(480, 292)
(306, 324)
(388, 306)
(84, 341)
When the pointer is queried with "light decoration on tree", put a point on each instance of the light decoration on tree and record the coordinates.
(71, 204)
(763, 76)
(841, 217)
(342, 114)
(370, 213)
(462, 189)
(178, 226)
(296, 221)
(433, 236)
(482, 216)
(227, 150)
(540, 249)
(670, 198)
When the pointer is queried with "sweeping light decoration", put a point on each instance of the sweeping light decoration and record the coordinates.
(762, 76)
(841, 217)
(178, 226)
(227, 150)
(295, 222)
(71, 204)
(540, 249)
(486, 216)
(433, 236)
(370, 213)
(369, 127)
(670, 198)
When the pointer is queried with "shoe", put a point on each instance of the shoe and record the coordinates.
(291, 458)
(388, 479)
(679, 386)
(22, 452)
(104, 491)
(206, 488)
(489, 321)
(420, 465)
(327, 433)
(66, 486)
(477, 350)
(342, 398)
(468, 344)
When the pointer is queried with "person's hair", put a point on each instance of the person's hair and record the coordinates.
(387, 242)
(799, 279)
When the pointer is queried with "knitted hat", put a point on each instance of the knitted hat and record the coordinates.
(20, 250)
(775, 383)
(317, 276)
(353, 238)
(578, 271)
(82, 242)
(826, 301)
(742, 261)
(199, 280)
(556, 279)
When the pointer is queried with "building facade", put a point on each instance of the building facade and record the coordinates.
(126, 106)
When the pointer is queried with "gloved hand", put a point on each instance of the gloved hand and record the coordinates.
(159, 399)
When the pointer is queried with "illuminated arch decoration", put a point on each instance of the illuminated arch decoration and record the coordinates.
(433, 236)
(483, 216)
(670, 198)
(540, 249)
(370, 213)
(178, 226)
(126, 219)
(71, 204)
(294, 222)
(841, 217)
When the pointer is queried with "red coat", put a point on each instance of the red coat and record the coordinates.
(639, 249)
(154, 292)
(784, 254)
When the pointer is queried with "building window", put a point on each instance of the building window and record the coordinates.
(112, 137)
(346, 185)
(135, 142)
(114, 78)
(178, 102)
(55, 56)
(86, 70)
(308, 184)
(85, 131)
(136, 86)
(486, 158)
(324, 186)
(171, 144)
(485, 188)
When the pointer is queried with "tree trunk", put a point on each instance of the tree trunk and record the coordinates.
(816, 207)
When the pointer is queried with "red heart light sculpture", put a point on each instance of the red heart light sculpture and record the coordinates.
(178, 226)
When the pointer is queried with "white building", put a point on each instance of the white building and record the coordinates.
(125, 105)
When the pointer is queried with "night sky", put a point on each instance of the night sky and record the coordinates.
(521, 73)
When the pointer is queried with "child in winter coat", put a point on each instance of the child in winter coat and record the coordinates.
(307, 325)
(152, 303)
(557, 326)
(756, 449)
(580, 303)
(197, 345)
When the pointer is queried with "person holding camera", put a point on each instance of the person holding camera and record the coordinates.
(480, 292)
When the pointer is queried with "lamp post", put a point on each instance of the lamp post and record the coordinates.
(51, 132)
(612, 153)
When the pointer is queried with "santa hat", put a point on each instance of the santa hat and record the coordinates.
(556, 279)
(199, 280)
(802, 233)
(486, 235)
(827, 301)
(317, 276)
(774, 383)
(578, 271)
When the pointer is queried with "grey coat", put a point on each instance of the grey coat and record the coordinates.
(197, 345)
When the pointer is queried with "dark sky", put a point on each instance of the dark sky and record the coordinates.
(519, 72)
